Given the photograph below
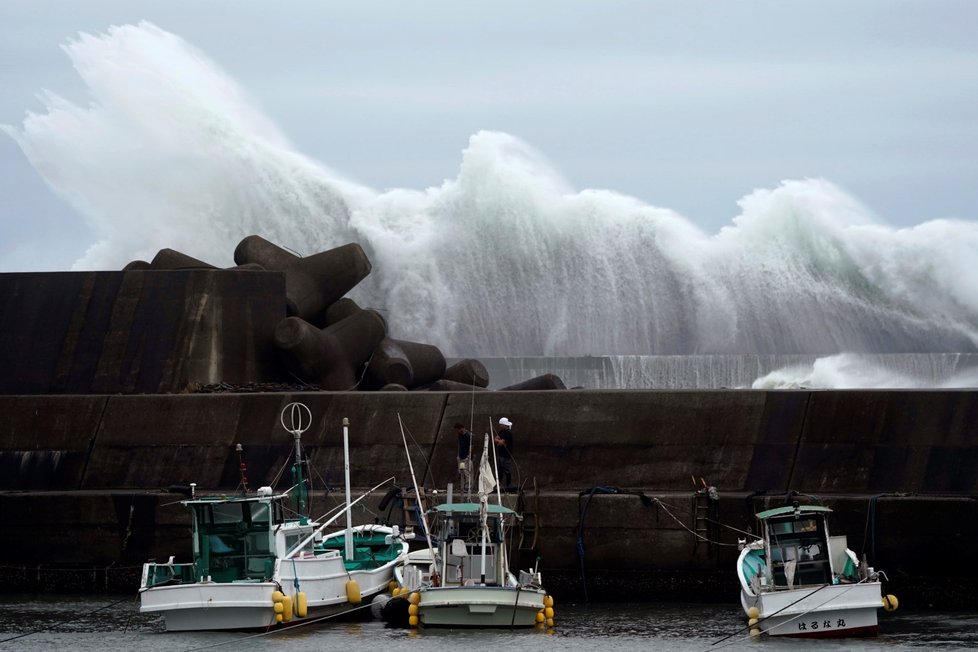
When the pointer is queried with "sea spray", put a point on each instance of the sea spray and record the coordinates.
(505, 259)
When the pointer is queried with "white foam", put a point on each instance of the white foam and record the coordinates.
(505, 259)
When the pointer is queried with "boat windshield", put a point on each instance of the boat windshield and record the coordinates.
(233, 540)
(799, 551)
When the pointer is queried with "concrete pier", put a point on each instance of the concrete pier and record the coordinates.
(96, 469)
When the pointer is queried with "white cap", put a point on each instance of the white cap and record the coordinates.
(506, 422)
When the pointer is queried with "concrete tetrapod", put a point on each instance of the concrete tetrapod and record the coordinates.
(411, 364)
(546, 381)
(312, 283)
(341, 309)
(173, 259)
(331, 357)
(445, 385)
(468, 371)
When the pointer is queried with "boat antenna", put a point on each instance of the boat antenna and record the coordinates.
(468, 485)
(348, 547)
(299, 420)
(242, 468)
(417, 492)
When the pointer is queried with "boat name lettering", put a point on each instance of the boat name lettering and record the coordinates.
(825, 624)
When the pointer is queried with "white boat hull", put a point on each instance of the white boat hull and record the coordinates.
(479, 606)
(211, 605)
(814, 612)
(249, 605)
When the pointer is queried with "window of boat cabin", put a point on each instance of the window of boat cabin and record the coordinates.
(235, 534)
(802, 541)
(293, 539)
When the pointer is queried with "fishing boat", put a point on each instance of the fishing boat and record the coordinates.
(462, 577)
(799, 580)
(260, 561)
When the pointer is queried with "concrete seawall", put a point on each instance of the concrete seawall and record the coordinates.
(93, 470)
(861, 442)
(136, 332)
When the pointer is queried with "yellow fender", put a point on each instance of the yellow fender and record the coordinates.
(353, 595)
(301, 604)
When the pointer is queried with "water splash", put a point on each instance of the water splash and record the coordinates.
(848, 371)
(506, 259)
(745, 371)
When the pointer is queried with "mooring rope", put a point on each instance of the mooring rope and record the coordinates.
(793, 618)
(57, 625)
(278, 630)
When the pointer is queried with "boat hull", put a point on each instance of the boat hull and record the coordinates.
(838, 610)
(480, 606)
(207, 605)
(214, 606)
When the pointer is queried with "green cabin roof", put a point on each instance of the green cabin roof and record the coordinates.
(784, 511)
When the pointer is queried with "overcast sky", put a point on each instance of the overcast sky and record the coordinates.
(684, 105)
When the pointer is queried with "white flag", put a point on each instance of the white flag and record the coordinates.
(487, 482)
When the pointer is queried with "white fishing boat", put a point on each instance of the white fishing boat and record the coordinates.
(463, 578)
(799, 580)
(260, 561)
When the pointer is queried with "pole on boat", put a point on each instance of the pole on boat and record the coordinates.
(485, 478)
(417, 491)
(300, 418)
(299, 546)
(346, 468)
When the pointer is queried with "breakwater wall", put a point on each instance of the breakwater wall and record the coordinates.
(84, 479)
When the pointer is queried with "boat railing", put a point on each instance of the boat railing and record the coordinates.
(157, 574)
(464, 561)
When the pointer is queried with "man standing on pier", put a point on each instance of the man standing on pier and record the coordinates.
(504, 453)
(464, 458)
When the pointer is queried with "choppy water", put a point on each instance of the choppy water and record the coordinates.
(69, 623)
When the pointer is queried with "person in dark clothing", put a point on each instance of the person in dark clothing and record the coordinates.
(464, 458)
(504, 452)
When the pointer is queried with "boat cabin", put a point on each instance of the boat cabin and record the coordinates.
(459, 532)
(237, 540)
(800, 549)
(240, 538)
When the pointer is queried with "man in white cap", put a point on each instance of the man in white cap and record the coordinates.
(504, 452)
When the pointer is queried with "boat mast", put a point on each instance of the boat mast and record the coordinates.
(346, 468)
(300, 418)
(499, 499)
(417, 492)
(485, 478)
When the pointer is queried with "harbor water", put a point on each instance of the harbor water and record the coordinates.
(100, 623)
